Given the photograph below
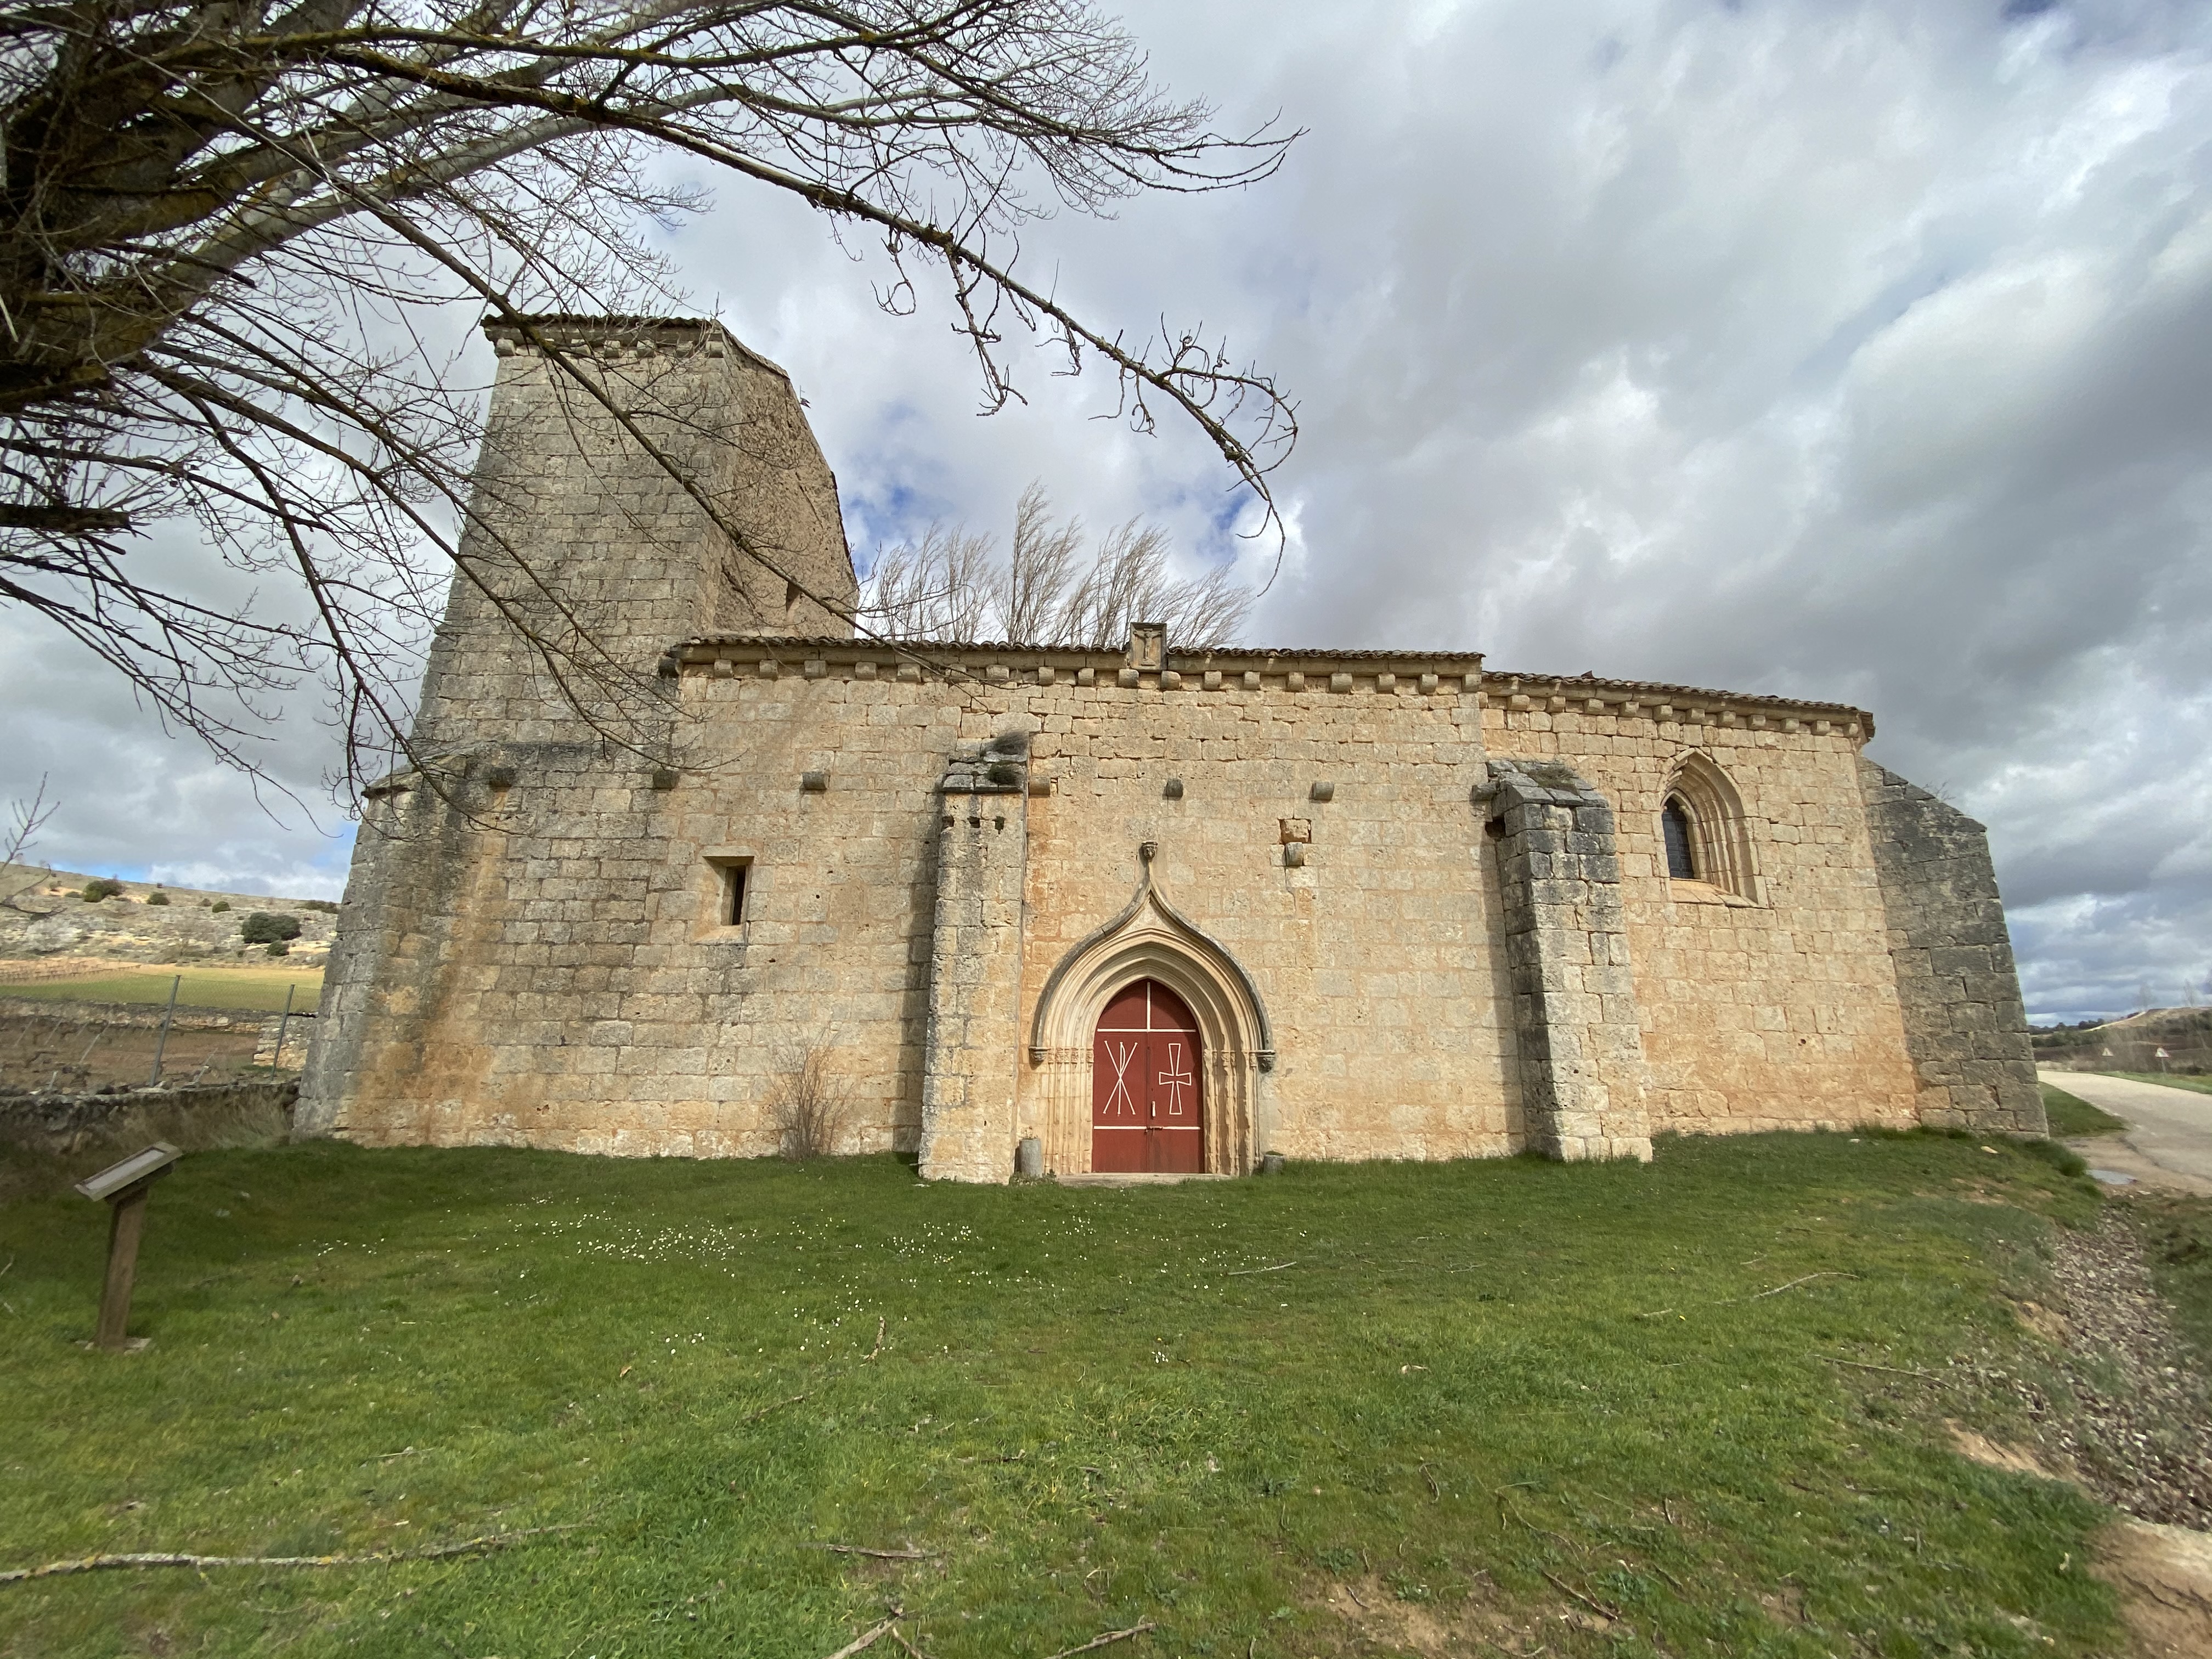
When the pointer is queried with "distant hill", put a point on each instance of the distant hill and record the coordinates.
(52, 921)
(2131, 1042)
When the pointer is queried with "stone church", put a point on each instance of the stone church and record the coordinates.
(1136, 910)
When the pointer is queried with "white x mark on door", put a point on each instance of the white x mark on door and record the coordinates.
(1121, 1101)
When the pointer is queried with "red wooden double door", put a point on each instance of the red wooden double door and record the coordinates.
(1145, 1095)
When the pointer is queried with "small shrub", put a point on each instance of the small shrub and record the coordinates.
(809, 1106)
(157, 897)
(325, 906)
(98, 887)
(277, 947)
(220, 905)
(2059, 1156)
(260, 927)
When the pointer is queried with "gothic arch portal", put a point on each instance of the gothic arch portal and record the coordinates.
(1150, 940)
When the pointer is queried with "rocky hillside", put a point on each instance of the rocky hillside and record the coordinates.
(2130, 1044)
(49, 917)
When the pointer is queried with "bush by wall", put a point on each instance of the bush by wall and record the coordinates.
(262, 928)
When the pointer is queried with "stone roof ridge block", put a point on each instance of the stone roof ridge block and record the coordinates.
(1525, 782)
(1000, 766)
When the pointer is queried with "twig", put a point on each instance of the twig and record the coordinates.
(880, 1555)
(866, 1641)
(1109, 1638)
(754, 1417)
(1429, 1475)
(879, 1348)
(435, 1551)
(1505, 1508)
(1597, 1607)
(1893, 1370)
(1239, 1272)
(899, 1637)
(1795, 1283)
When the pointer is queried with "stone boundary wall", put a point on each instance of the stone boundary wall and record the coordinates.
(138, 1016)
(1965, 1024)
(64, 1120)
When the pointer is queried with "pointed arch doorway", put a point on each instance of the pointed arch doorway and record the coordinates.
(1146, 1112)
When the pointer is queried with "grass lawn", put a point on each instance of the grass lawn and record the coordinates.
(203, 987)
(2177, 1234)
(2201, 1086)
(1393, 1408)
(2071, 1116)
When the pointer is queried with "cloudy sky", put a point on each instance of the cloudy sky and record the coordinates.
(1854, 351)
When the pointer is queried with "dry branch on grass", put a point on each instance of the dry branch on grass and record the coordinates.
(755, 1417)
(1107, 1639)
(866, 1640)
(1890, 1371)
(172, 1558)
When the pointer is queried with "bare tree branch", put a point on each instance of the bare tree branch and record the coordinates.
(30, 817)
(1053, 589)
(230, 229)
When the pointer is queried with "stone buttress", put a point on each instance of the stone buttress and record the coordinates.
(1566, 949)
(1965, 1026)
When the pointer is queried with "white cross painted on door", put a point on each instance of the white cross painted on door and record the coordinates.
(1175, 1079)
(1121, 1101)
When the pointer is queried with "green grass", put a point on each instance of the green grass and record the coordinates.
(1208, 1405)
(2177, 1234)
(2201, 1086)
(2071, 1116)
(208, 987)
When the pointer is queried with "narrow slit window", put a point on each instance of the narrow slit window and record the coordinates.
(734, 877)
(1675, 824)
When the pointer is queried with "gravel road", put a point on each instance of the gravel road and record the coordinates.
(2169, 1137)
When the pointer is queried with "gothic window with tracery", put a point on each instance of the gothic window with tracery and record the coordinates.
(1706, 833)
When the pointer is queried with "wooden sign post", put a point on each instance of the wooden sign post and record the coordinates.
(125, 1187)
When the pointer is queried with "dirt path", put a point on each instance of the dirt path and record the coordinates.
(2128, 1416)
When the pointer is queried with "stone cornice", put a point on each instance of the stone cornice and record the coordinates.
(604, 338)
(1689, 705)
(1231, 668)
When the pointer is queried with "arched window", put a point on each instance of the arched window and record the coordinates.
(1677, 830)
(1705, 831)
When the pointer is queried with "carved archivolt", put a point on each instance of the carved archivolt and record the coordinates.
(1720, 833)
(1150, 940)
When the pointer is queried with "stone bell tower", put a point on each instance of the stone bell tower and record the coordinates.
(583, 559)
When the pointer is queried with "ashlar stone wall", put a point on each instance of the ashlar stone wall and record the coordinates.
(1418, 909)
(584, 558)
(1772, 1007)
